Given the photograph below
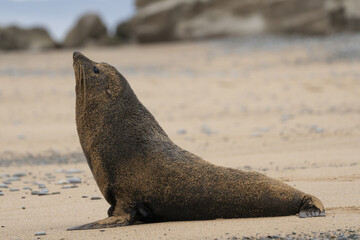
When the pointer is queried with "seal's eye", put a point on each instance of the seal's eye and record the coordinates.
(96, 70)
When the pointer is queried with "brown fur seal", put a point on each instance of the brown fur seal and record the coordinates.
(145, 177)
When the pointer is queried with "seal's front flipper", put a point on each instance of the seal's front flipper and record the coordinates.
(110, 222)
(311, 207)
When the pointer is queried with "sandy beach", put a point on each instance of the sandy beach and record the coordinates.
(285, 107)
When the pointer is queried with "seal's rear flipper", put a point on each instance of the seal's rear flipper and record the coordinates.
(311, 207)
(110, 222)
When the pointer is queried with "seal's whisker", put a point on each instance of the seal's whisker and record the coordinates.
(84, 82)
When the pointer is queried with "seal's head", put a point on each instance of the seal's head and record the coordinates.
(96, 82)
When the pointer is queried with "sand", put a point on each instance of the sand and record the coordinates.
(286, 107)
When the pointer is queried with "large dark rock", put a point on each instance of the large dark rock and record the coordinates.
(167, 20)
(124, 32)
(89, 30)
(15, 38)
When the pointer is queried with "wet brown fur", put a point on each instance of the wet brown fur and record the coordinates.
(145, 177)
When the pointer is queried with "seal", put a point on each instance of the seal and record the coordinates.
(145, 177)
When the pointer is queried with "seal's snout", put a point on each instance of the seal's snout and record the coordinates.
(76, 56)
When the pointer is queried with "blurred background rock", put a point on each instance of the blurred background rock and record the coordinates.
(177, 20)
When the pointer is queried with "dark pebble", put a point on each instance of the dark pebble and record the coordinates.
(3, 185)
(19, 174)
(71, 171)
(74, 180)
(40, 233)
(14, 189)
(14, 179)
(95, 198)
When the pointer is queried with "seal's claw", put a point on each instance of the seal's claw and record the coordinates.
(311, 207)
(109, 222)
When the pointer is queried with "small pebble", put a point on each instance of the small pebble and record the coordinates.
(7, 182)
(84, 196)
(207, 130)
(54, 193)
(23, 207)
(95, 198)
(71, 171)
(43, 192)
(316, 129)
(65, 187)
(14, 179)
(181, 131)
(19, 174)
(40, 233)
(27, 188)
(14, 189)
(63, 182)
(41, 185)
(1, 194)
(21, 136)
(74, 180)
(3, 185)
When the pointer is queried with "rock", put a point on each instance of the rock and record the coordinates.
(14, 189)
(163, 20)
(316, 129)
(71, 171)
(19, 174)
(74, 180)
(124, 32)
(1, 194)
(95, 198)
(27, 188)
(207, 130)
(89, 30)
(3, 185)
(16, 38)
(143, 3)
(41, 233)
(61, 182)
(43, 192)
(14, 179)
(181, 131)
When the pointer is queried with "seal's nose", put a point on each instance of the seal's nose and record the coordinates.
(76, 55)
